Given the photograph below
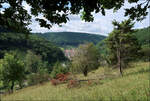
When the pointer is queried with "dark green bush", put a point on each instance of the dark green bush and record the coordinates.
(145, 51)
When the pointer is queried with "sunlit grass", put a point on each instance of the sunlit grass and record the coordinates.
(133, 86)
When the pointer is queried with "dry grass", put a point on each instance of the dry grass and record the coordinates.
(133, 86)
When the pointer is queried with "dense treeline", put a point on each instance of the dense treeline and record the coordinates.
(71, 39)
(48, 51)
(143, 36)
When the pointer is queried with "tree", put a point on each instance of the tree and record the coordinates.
(104, 52)
(16, 17)
(85, 59)
(34, 62)
(122, 43)
(12, 70)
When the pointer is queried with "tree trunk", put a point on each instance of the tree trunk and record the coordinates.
(12, 86)
(85, 71)
(119, 61)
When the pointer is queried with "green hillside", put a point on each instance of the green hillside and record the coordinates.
(133, 86)
(18, 41)
(65, 39)
(143, 35)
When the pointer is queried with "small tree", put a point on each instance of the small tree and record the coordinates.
(85, 59)
(122, 44)
(12, 70)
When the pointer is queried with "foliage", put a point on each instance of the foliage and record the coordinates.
(104, 52)
(143, 35)
(13, 41)
(17, 18)
(34, 63)
(73, 84)
(59, 68)
(37, 78)
(12, 70)
(71, 39)
(122, 43)
(145, 51)
(55, 82)
(60, 78)
(85, 59)
(143, 39)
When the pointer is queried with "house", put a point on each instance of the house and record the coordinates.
(69, 53)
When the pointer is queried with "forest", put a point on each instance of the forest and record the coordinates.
(71, 39)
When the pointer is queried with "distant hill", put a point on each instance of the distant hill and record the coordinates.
(71, 39)
(143, 35)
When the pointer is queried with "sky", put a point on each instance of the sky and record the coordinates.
(101, 25)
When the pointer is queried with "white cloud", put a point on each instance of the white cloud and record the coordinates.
(26, 6)
(101, 24)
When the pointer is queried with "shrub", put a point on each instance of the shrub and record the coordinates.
(73, 83)
(36, 78)
(55, 82)
(145, 52)
(59, 69)
(60, 78)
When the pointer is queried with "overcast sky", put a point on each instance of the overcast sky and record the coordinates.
(101, 24)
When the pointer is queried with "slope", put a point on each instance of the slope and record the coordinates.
(143, 35)
(133, 86)
(72, 39)
(17, 41)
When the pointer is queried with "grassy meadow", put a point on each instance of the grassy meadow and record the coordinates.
(133, 86)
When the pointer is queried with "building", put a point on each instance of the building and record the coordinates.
(69, 53)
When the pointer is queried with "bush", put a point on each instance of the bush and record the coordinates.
(55, 82)
(59, 69)
(145, 52)
(60, 78)
(73, 83)
(37, 78)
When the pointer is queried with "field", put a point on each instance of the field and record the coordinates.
(133, 86)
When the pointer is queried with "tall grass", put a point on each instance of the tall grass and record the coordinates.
(133, 86)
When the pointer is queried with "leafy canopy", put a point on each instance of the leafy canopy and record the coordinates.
(85, 59)
(12, 70)
(122, 43)
(16, 17)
